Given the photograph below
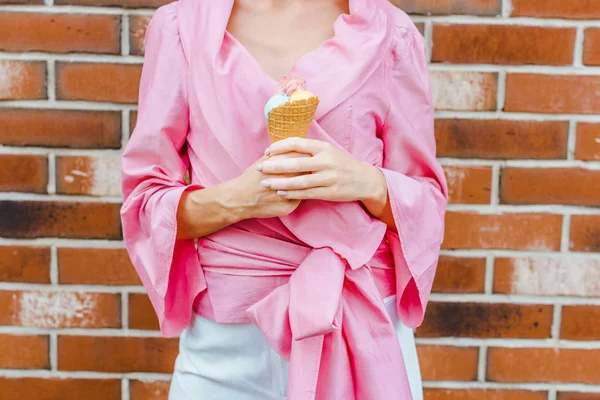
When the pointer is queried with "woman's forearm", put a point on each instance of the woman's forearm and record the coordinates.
(205, 211)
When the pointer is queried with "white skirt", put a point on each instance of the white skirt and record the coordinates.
(235, 362)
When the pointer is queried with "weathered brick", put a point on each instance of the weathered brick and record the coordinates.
(148, 390)
(448, 363)
(464, 91)
(23, 173)
(575, 9)
(441, 7)
(585, 233)
(116, 354)
(587, 146)
(501, 139)
(26, 264)
(22, 80)
(552, 94)
(459, 275)
(543, 365)
(503, 44)
(578, 396)
(483, 394)
(137, 33)
(522, 231)
(486, 320)
(117, 83)
(581, 322)
(60, 128)
(95, 266)
(32, 219)
(469, 185)
(59, 33)
(60, 309)
(547, 276)
(95, 176)
(24, 352)
(141, 313)
(60, 388)
(591, 47)
(571, 186)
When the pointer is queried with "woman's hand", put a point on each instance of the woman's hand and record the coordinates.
(257, 201)
(327, 174)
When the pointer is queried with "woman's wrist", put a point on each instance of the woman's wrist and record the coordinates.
(374, 195)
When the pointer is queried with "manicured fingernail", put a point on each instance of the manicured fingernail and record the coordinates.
(282, 192)
(267, 151)
(265, 184)
(258, 167)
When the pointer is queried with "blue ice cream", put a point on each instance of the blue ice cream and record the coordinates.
(275, 101)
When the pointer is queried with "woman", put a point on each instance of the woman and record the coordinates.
(314, 257)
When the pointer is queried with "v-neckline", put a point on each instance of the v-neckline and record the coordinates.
(294, 69)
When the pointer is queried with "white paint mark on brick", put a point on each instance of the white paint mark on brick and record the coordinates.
(455, 178)
(566, 276)
(11, 78)
(106, 176)
(462, 90)
(54, 309)
(138, 31)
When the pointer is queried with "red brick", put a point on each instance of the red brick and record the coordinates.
(22, 80)
(96, 176)
(132, 120)
(141, 313)
(34, 219)
(575, 9)
(585, 233)
(552, 94)
(137, 33)
(60, 128)
(28, 2)
(95, 266)
(447, 363)
(60, 309)
(23, 173)
(149, 390)
(116, 354)
(117, 83)
(445, 7)
(571, 186)
(493, 139)
(503, 44)
(587, 145)
(24, 352)
(117, 3)
(591, 47)
(59, 33)
(580, 322)
(520, 231)
(486, 320)
(60, 388)
(25, 264)
(459, 275)
(469, 185)
(482, 394)
(464, 90)
(547, 276)
(544, 365)
(578, 396)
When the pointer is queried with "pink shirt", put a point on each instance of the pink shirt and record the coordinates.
(312, 281)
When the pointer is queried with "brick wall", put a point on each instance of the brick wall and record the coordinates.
(516, 309)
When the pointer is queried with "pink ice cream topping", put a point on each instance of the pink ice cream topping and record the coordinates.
(289, 84)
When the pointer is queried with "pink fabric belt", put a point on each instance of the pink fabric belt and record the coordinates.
(309, 313)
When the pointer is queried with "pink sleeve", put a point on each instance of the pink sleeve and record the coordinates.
(152, 173)
(416, 183)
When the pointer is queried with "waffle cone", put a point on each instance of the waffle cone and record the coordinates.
(292, 119)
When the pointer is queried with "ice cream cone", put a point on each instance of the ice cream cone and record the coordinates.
(292, 119)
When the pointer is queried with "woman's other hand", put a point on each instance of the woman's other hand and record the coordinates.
(258, 201)
(327, 174)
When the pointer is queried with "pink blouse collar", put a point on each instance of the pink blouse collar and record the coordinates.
(335, 70)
